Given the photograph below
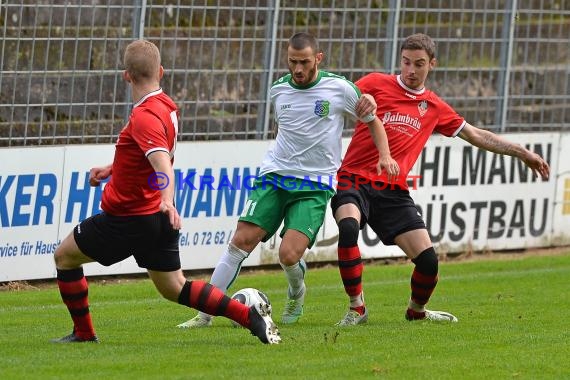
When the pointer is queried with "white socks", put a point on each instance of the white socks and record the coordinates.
(415, 307)
(357, 301)
(295, 275)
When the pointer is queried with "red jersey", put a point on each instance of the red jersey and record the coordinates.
(152, 126)
(409, 117)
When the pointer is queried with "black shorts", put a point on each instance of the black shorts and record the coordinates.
(388, 210)
(109, 239)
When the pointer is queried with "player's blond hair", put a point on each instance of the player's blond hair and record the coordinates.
(419, 41)
(142, 61)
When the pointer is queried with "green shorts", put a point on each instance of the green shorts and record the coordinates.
(299, 203)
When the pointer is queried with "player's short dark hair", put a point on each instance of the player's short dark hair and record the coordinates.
(300, 41)
(419, 41)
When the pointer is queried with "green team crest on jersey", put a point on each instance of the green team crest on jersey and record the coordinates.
(322, 108)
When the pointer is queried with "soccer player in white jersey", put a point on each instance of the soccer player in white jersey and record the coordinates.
(298, 173)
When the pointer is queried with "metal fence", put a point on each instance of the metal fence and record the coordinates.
(504, 65)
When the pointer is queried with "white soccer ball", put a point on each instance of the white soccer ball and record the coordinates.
(251, 297)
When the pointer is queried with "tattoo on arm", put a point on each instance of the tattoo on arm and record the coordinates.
(496, 144)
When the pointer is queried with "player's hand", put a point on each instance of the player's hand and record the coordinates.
(391, 166)
(365, 106)
(173, 216)
(96, 175)
(538, 165)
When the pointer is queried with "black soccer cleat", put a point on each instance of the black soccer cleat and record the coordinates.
(261, 324)
(72, 338)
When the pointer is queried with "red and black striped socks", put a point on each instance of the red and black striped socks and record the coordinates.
(350, 263)
(423, 283)
(74, 290)
(211, 300)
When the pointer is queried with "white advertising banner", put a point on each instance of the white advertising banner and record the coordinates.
(470, 200)
(30, 198)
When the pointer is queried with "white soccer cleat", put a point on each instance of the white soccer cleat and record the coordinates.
(261, 324)
(196, 322)
(440, 316)
(432, 315)
(352, 318)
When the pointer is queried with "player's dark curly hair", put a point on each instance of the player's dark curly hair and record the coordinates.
(419, 41)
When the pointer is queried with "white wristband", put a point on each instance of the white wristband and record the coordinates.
(368, 118)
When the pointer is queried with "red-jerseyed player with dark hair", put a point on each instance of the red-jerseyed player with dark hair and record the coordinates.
(139, 218)
(410, 113)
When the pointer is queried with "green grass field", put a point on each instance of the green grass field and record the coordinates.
(513, 324)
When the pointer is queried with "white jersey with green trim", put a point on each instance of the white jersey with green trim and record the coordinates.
(310, 121)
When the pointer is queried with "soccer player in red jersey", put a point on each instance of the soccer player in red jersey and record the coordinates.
(139, 217)
(410, 114)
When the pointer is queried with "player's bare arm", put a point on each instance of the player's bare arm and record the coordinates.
(365, 106)
(365, 109)
(385, 160)
(160, 162)
(494, 143)
(98, 174)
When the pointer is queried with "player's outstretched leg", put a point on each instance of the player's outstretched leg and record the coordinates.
(226, 271)
(209, 299)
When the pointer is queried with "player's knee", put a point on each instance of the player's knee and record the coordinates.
(170, 291)
(58, 258)
(348, 229)
(289, 255)
(64, 258)
(427, 262)
(247, 236)
(168, 284)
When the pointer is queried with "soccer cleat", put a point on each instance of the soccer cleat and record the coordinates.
(196, 322)
(440, 316)
(294, 308)
(353, 318)
(261, 325)
(431, 315)
(72, 338)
